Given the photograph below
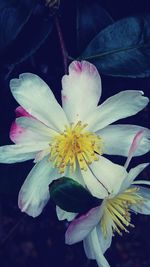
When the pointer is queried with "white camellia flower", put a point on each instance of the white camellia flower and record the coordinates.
(97, 227)
(70, 140)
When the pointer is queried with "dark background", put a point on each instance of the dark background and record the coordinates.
(40, 242)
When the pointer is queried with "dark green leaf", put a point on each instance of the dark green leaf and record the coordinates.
(71, 196)
(123, 48)
(13, 15)
(91, 18)
(33, 35)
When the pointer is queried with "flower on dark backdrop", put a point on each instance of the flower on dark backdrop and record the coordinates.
(70, 140)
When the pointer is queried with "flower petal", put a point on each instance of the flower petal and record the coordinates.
(81, 90)
(94, 184)
(64, 215)
(133, 173)
(80, 227)
(104, 177)
(93, 248)
(119, 106)
(21, 135)
(34, 193)
(37, 127)
(143, 208)
(18, 134)
(134, 146)
(104, 243)
(21, 112)
(20, 152)
(37, 99)
(117, 139)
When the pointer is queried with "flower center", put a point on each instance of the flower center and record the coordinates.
(117, 211)
(75, 145)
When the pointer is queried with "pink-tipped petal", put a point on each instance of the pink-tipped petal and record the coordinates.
(81, 90)
(135, 143)
(80, 227)
(21, 112)
(16, 133)
(34, 95)
(33, 131)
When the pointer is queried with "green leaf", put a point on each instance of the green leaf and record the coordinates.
(91, 18)
(123, 48)
(71, 196)
(30, 39)
(13, 15)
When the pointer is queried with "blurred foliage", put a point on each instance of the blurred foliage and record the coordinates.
(24, 27)
(13, 16)
(90, 20)
(119, 48)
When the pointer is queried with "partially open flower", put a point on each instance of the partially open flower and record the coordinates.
(97, 227)
(71, 139)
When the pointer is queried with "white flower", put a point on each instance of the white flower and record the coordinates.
(97, 227)
(71, 138)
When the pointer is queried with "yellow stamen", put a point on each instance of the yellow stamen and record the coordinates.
(117, 211)
(75, 145)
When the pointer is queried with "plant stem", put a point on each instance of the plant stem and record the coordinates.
(62, 44)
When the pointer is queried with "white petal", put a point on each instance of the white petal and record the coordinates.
(34, 95)
(37, 127)
(20, 152)
(119, 106)
(117, 139)
(141, 182)
(77, 175)
(88, 247)
(81, 90)
(96, 187)
(20, 135)
(80, 227)
(34, 193)
(143, 208)
(93, 249)
(104, 178)
(105, 242)
(64, 215)
(133, 173)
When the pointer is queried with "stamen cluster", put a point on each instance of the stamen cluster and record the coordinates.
(117, 212)
(75, 145)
